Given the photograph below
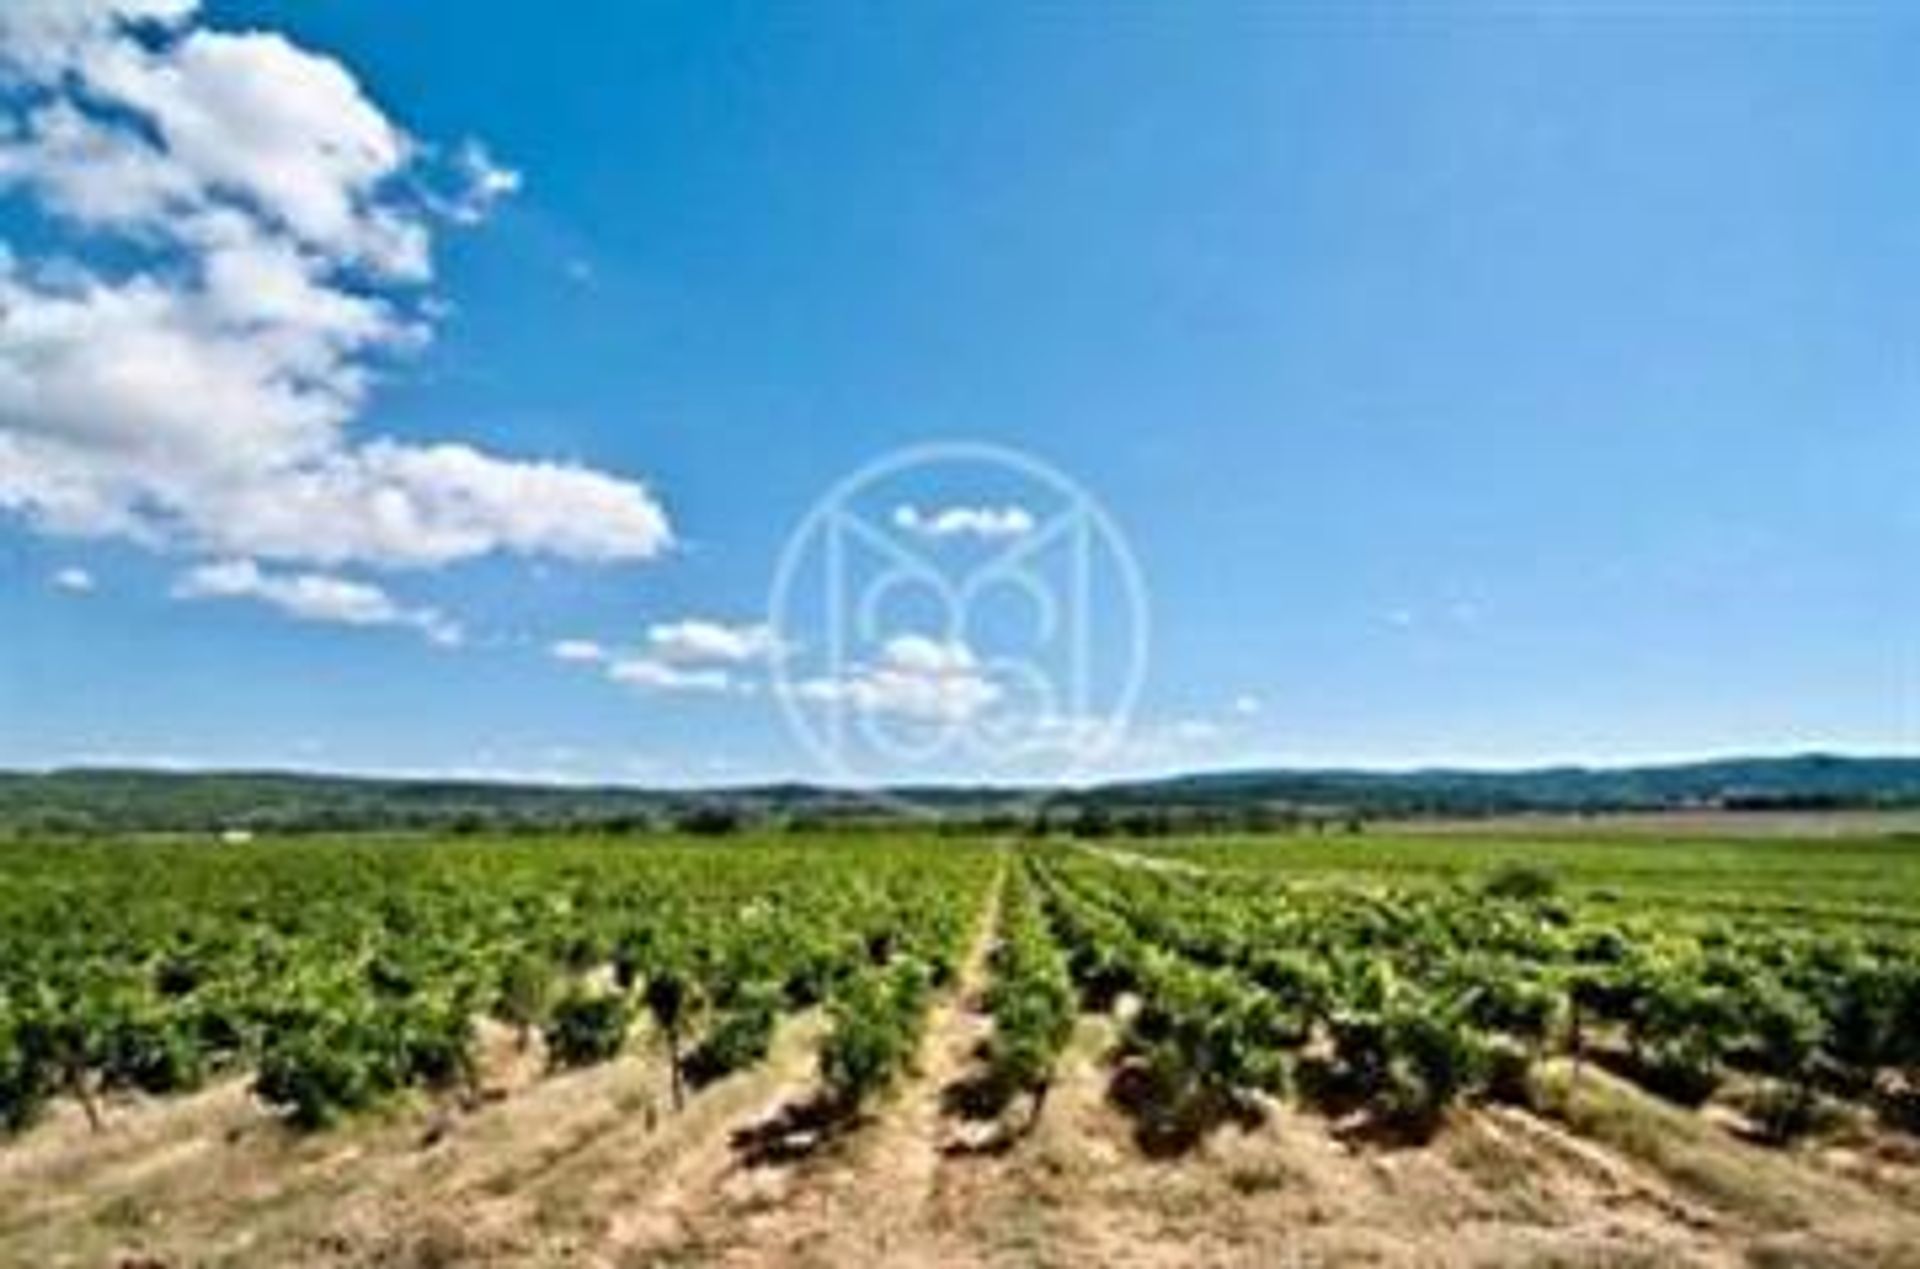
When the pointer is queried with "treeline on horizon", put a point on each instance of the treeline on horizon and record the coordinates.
(100, 802)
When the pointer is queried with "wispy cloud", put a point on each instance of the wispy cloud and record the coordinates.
(73, 580)
(318, 597)
(983, 522)
(578, 651)
(654, 674)
(698, 640)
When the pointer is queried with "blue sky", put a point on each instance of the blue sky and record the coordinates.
(1471, 384)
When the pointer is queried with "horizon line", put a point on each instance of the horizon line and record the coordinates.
(506, 778)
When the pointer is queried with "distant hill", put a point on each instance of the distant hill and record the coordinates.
(161, 800)
(101, 799)
(119, 800)
(1801, 782)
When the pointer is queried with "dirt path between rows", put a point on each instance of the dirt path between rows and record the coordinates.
(1078, 1193)
(862, 1198)
(537, 1177)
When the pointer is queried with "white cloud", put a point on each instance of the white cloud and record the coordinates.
(693, 655)
(578, 651)
(1246, 705)
(36, 32)
(483, 182)
(317, 597)
(73, 580)
(408, 505)
(698, 640)
(914, 678)
(918, 654)
(248, 233)
(654, 674)
(243, 122)
(981, 522)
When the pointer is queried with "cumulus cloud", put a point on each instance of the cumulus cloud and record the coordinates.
(915, 678)
(692, 655)
(73, 580)
(987, 523)
(318, 597)
(697, 640)
(247, 236)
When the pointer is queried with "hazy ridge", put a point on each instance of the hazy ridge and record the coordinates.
(118, 799)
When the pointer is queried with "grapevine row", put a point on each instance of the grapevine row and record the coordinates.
(1031, 997)
(1407, 1000)
(339, 975)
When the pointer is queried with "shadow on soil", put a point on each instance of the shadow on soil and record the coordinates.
(985, 1106)
(796, 1132)
(1170, 1122)
(976, 1098)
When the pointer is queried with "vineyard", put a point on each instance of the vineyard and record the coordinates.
(932, 1050)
